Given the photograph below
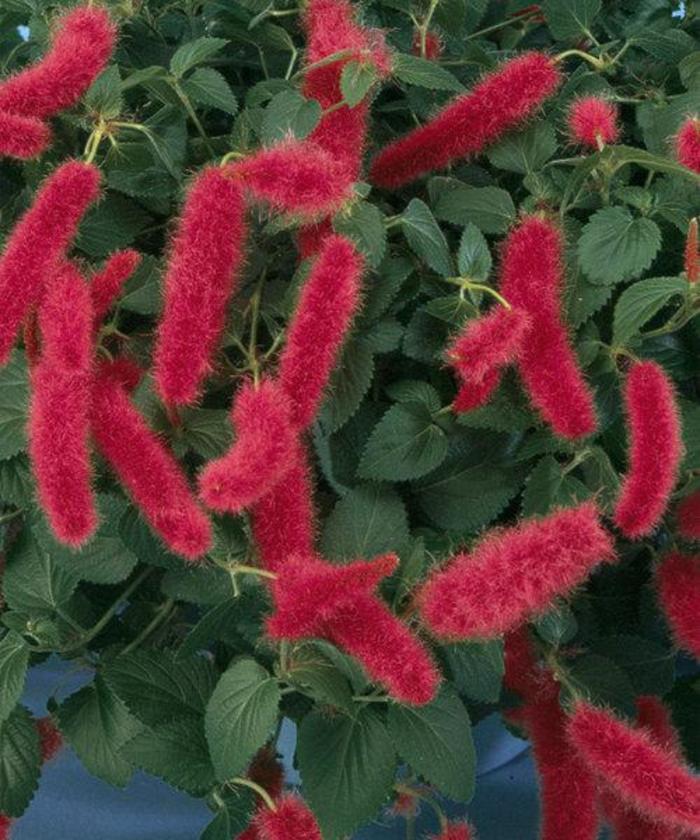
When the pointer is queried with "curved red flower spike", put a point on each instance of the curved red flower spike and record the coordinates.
(688, 144)
(593, 121)
(678, 583)
(22, 137)
(107, 283)
(689, 516)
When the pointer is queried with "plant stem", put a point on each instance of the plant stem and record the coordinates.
(162, 614)
(262, 793)
(184, 98)
(496, 26)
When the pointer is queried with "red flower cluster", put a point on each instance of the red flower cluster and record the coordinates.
(678, 582)
(290, 819)
(655, 449)
(593, 122)
(689, 516)
(107, 283)
(514, 573)
(688, 144)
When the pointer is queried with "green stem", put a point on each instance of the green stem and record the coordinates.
(252, 570)
(424, 27)
(13, 515)
(254, 786)
(184, 98)
(162, 614)
(424, 797)
(341, 55)
(597, 63)
(465, 283)
(496, 26)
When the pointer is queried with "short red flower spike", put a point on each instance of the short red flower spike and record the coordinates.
(59, 416)
(5, 827)
(107, 283)
(500, 102)
(678, 583)
(655, 449)
(688, 144)
(689, 516)
(202, 273)
(22, 137)
(455, 831)
(39, 241)
(146, 468)
(290, 819)
(532, 279)
(50, 739)
(692, 255)
(593, 122)
(515, 573)
(265, 443)
(320, 600)
(433, 45)
(644, 773)
(84, 41)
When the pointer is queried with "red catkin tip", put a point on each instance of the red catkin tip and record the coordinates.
(22, 137)
(433, 45)
(514, 573)
(50, 738)
(655, 449)
(107, 283)
(291, 819)
(688, 144)
(455, 831)
(593, 122)
(5, 827)
(689, 516)
(678, 582)
(692, 255)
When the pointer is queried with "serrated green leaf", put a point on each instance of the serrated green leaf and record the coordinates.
(349, 383)
(425, 336)
(602, 682)
(423, 73)
(364, 224)
(14, 405)
(425, 238)
(104, 96)
(558, 626)
(318, 677)
(640, 302)
(549, 486)
(289, 113)
(649, 666)
(207, 431)
(208, 87)
(570, 18)
(356, 78)
(414, 390)
(33, 580)
(195, 52)
(15, 481)
(473, 258)
(14, 659)
(525, 151)
(491, 209)
(477, 668)
(20, 762)
(113, 224)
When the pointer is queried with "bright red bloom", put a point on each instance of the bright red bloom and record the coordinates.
(678, 581)
(5, 827)
(146, 468)
(500, 102)
(107, 283)
(644, 773)
(433, 45)
(323, 315)
(265, 443)
(38, 242)
(291, 819)
(532, 279)
(692, 255)
(320, 600)
(473, 395)
(50, 738)
(688, 144)
(456, 831)
(80, 49)
(59, 417)
(593, 121)
(206, 258)
(22, 137)
(514, 573)
(655, 449)
(689, 516)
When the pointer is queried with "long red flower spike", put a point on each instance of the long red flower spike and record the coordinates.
(500, 102)
(50, 738)
(22, 137)
(532, 279)
(678, 582)
(593, 122)
(643, 773)
(688, 144)
(317, 599)
(323, 315)
(206, 258)
(81, 47)
(39, 240)
(265, 439)
(107, 283)
(146, 468)
(59, 416)
(455, 831)
(515, 573)
(692, 254)
(689, 516)
(290, 819)
(655, 449)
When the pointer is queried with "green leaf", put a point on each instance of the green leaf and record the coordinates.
(649, 666)
(289, 113)
(423, 73)
(207, 86)
(34, 581)
(318, 677)
(368, 521)
(436, 741)
(14, 405)
(525, 151)
(412, 391)
(20, 762)
(549, 486)
(104, 96)
(207, 431)
(348, 767)
(616, 246)
(114, 223)
(477, 668)
(240, 716)
(364, 224)
(142, 290)
(404, 445)
(349, 383)
(425, 238)
(570, 18)
(356, 79)
(195, 52)
(639, 303)
(602, 682)
(14, 659)
(239, 807)
(473, 258)
(491, 209)
(15, 481)
(558, 626)
(671, 46)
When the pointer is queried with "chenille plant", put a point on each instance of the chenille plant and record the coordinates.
(349, 376)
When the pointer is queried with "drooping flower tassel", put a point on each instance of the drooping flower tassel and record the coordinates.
(678, 583)
(107, 283)
(22, 137)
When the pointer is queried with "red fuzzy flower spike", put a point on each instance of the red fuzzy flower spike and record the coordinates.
(433, 45)
(689, 516)
(323, 315)
(107, 283)
(265, 439)
(532, 279)
(593, 122)
(688, 144)
(39, 241)
(644, 773)
(5, 827)
(22, 137)
(206, 258)
(81, 47)
(655, 450)
(146, 468)
(692, 255)
(499, 103)
(317, 599)
(59, 417)
(473, 395)
(515, 573)
(678, 582)
(290, 819)
(50, 738)
(456, 831)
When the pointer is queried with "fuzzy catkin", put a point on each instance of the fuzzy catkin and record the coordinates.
(514, 573)
(455, 831)
(203, 268)
(593, 121)
(678, 584)
(692, 255)
(22, 137)
(498, 103)
(107, 283)
(655, 449)
(38, 242)
(473, 395)
(688, 516)
(290, 819)
(688, 144)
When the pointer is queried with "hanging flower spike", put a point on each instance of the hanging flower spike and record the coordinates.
(689, 516)
(532, 279)
(81, 47)
(290, 819)
(473, 395)
(50, 739)
(655, 449)
(593, 122)
(39, 240)
(205, 261)
(22, 137)
(522, 673)
(267, 771)
(326, 306)
(514, 573)
(643, 773)
(59, 416)
(265, 441)
(107, 283)
(146, 468)
(317, 599)
(688, 144)
(678, 583)
(500, 102)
